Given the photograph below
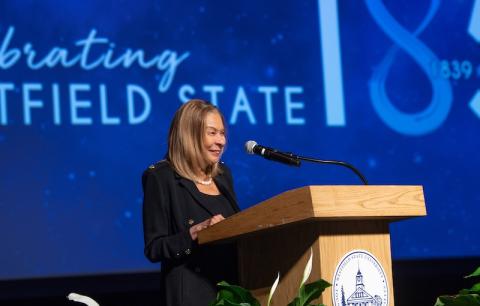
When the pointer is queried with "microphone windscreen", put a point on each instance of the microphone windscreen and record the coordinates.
(249, 145)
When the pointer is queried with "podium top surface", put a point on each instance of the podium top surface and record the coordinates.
(322, 203)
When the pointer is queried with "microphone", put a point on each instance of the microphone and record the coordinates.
(253, 148)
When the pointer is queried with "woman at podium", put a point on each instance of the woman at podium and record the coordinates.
(185, 193)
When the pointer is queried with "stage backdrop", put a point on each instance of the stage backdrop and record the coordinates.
(87, 90)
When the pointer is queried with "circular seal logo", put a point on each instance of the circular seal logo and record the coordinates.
(359, 279)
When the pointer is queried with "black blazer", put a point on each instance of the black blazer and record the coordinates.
(171, 206)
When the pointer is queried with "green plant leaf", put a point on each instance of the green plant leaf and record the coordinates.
(228, 303)
(309, 293)
(233, 291)
(295, 302)
(459, 300)
(231, 295)
(225, 294)
(314, 290)
(465, 297)
(475, 288)
(441, 300)
(474, 274)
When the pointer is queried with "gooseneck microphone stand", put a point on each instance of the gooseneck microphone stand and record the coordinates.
(331, 162)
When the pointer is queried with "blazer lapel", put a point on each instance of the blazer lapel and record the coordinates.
(193, 190)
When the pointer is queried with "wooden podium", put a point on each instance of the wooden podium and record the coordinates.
(277, 234)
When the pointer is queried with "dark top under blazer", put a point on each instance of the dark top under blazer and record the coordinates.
(171, 205)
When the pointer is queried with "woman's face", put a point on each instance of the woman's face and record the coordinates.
(214, 138)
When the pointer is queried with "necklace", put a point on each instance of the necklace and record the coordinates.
(204, 182)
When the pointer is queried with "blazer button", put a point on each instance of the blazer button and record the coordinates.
(188, 251)
(190, 221)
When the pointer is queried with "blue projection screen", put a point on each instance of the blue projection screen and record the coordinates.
(88, 88)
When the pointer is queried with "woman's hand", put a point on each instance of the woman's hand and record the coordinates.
(203, 225)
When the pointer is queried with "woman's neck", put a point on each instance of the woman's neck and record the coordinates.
(204, 174)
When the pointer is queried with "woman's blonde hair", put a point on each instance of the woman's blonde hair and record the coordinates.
(185, 139)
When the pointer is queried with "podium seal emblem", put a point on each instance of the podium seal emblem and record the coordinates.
(359, 279)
